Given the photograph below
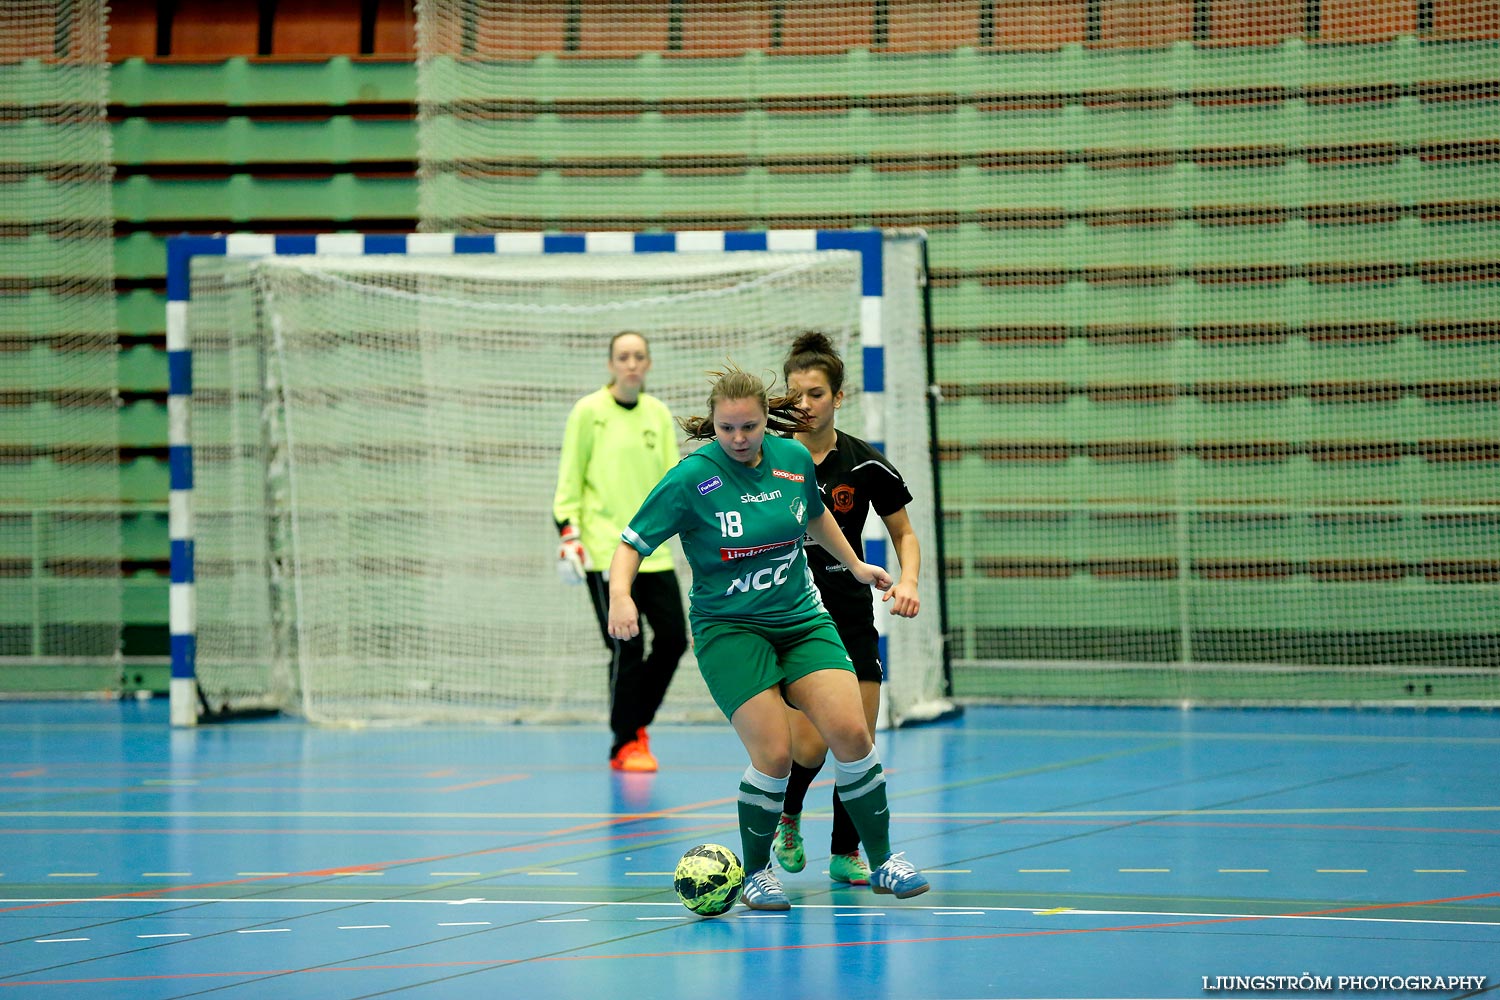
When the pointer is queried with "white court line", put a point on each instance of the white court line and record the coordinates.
(148, 937)
(552, 903)
(265, 930)
(467, 923)
(563, 920)
(365, 927)
(58, 940)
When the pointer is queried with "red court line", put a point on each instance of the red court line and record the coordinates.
(501, 962)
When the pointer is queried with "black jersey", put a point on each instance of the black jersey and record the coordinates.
(852, 478)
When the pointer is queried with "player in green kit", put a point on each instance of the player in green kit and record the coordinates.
(742, 506)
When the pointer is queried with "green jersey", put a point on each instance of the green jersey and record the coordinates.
(742, 531)
(611, 457)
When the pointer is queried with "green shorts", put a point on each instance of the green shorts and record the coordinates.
(739, 660)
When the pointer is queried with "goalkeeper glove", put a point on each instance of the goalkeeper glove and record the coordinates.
(572, 560)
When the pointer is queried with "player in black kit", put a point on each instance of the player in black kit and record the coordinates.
(853, 477)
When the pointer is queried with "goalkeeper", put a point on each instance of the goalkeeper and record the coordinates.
(618, 442)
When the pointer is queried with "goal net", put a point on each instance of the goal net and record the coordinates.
(375, 431)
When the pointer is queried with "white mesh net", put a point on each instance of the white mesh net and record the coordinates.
(60, 586)
(1214, 295)
(376, 443)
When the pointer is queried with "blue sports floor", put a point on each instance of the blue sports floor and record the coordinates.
(1072, 853)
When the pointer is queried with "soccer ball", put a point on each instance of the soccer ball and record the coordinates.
(708, 879)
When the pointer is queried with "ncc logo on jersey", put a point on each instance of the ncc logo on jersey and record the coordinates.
(765, 579)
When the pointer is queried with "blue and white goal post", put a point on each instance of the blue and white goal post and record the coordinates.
(364, 433)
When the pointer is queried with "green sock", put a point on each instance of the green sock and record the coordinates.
(861, 785)
(760, 802)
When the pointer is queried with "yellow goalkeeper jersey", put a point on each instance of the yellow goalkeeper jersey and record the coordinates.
(612, 457)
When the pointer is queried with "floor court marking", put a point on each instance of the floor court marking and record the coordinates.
(1276, 737)
(546, 837)
(478, 965)
(1335, 914)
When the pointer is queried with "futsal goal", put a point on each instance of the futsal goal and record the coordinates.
(365, 437)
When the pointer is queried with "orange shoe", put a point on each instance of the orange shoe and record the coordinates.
(645, 746)
(633, 756)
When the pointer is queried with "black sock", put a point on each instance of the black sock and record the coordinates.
(796, 787)
(845, 839)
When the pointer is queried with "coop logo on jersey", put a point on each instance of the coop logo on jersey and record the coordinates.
(794, 477)
(760, 497)
(709, 485)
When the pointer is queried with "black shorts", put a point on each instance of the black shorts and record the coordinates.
(856, 624)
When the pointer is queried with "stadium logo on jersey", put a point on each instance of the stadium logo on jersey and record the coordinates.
(760, 497)
(799, 510)
(709, 485)
(764, 579)
(795, 477)
(843, 498)
(725, 555)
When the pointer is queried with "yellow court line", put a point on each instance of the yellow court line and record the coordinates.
(1234, 871)
(166, 874)
(1145, 869)
(1042, 871)
(1441, 871)
(549, 873)
(73, 875)
(1343, 871)
(948, 871)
